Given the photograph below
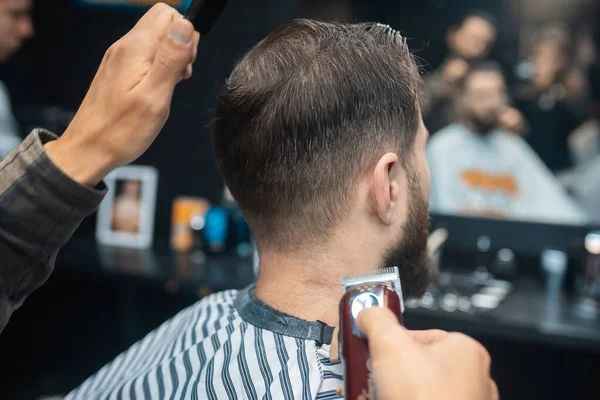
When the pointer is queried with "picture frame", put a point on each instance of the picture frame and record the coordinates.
(126, 216)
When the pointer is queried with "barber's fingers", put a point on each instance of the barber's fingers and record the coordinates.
(147, 36)
(372, 321)
(428, 337)
(195, 48)
(154, 19)
(380, 319)
(470, 350)
(494, 393)
(383, 331)
(137, 49)
(172, 58)
(187, 74)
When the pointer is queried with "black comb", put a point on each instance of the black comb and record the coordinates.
(395, 36)
(204, 13)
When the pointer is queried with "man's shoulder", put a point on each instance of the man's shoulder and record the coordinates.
(511, 141)
(217, 305)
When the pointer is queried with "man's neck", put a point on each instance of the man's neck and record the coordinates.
(309, 287)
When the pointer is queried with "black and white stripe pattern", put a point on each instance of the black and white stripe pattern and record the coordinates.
(208, 352)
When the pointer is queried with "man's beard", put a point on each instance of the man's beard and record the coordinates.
(483, 125)
(472, 61)
(410, 254)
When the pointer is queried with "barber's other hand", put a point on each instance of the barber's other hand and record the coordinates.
(419, 365)
(454, 70)
(129, 100)
(511, 120)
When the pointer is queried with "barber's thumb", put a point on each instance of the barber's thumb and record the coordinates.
(382, 329)
(173, 55)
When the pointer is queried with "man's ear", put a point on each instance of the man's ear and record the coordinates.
(385, 192)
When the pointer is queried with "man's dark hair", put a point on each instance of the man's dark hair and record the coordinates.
(481, 14)
(302, 117)
(484, 66)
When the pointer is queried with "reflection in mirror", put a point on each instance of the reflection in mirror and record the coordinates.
(514, 124)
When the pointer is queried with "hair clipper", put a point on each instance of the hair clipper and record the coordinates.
(381, 288)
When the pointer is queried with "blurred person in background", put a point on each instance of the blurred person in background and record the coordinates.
(15, 28)
(468, 42)
(584, 142)
(553, 99)
(479, 169)
(584, 147)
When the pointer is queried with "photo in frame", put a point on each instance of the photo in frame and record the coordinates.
(126, 216)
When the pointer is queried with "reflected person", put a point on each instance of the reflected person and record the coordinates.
(15, 28)
(479, 169)
(584, 146)
(469, 42)
(553, 99)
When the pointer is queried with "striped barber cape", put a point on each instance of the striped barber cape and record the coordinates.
(229, 345)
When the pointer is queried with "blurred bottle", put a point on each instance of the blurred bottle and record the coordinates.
(226, 229)
(505, 266)
(482, 273)
(589, 287)
(187, 222)
(554, 266)
(216, 229)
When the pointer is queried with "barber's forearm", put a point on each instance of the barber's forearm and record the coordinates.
(85, 166)
(24, 268)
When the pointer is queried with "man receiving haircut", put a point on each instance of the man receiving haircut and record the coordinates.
(319, 136)
(477, 168)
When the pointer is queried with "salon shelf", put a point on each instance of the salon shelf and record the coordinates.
(523, 317)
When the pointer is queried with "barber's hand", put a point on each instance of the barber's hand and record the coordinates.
(419, 365)
(511, 120)
(454, 70)
(129, 99)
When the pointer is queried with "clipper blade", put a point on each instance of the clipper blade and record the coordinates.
(387, 276)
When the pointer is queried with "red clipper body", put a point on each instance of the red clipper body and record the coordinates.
(380, 289)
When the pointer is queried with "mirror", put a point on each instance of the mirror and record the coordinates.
(517, 136)
(511, 99)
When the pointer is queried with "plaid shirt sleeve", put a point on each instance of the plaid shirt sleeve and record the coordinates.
(40, 208)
